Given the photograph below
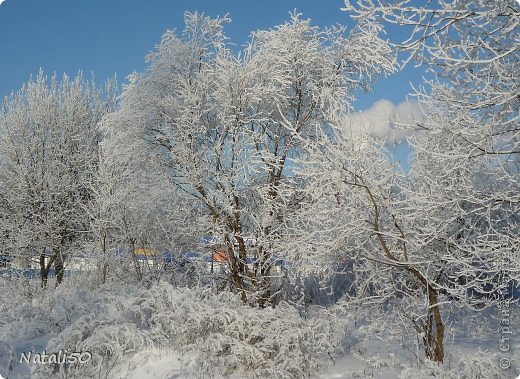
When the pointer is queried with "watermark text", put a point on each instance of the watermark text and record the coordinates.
(60, 357)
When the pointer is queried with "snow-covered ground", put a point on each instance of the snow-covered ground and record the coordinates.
(161, 331)
(163, 363)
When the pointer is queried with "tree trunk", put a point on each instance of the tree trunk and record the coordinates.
(103, 257)
(136, 263)
(236, 270)
(58, 266)
(44, 270)
(433, 330)
(263, 274)
(265, 285)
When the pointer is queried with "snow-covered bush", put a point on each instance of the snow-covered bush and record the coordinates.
(7, 357)
(274, 342)
(49, 311)
(480, 365)
(216, 328)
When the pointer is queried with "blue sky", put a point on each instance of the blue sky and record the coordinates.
(110, 37)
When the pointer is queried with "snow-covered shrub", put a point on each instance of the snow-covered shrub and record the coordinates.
(480, 365)
(273, 342)
(49, 311)
(188, 274)
(7, 356)
(219, 331)
(323, 286)
(29, 314)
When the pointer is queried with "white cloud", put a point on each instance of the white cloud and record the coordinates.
(1, 1)
(385, 120)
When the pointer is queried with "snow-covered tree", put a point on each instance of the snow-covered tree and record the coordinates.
(135, 208)
(230, 126)
(453, 229)
(48, 159)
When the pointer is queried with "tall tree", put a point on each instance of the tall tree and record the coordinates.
(229, 127)
(458, 217)
(48, 155)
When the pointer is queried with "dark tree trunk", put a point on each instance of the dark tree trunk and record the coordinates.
(45, 267)
(44, 273)
(264, 273)
(44, 270)
(58, 266)
(433, 337)
(236, 271)
(104, 265)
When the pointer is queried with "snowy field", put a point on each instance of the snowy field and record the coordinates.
(160, 331)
